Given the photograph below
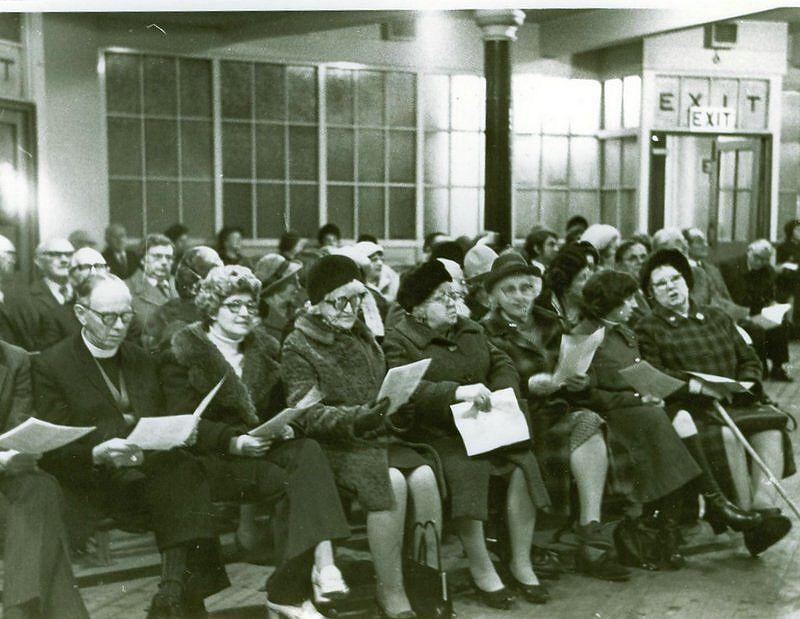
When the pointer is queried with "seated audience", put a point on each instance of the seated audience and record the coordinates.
(330, 349)
(575, 228)
(752, 282)
(568, 273)
(290, 472)
(37, 579)
(429, 241)
(477, 264)
(467, 367)
(290, 244)
(630, 257)
(168, 318)
(380, 275)
(541, 246)
(568, 439)
(605, 239)
(282, 296)
(95, 378)
(229, 246)
(680, 336)
(179, 235)
(122, 261)
(788, 267)
(81, 238)
(152, 285)
(328, 237)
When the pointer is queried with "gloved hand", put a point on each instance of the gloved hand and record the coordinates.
(402, 419)
(372, 418)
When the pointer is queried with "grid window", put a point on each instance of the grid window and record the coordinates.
(371, 122)
(620, 180)
(789, 178)
(160, 146)
(556, 152)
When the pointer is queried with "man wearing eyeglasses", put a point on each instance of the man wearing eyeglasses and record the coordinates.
(152, 285)
(96, 378)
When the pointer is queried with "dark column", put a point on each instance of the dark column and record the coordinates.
(499, 30)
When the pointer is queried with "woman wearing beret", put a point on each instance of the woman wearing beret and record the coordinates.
(466, 367)
(679, 337)
(293, 474)
(568, 439)
(332, 350)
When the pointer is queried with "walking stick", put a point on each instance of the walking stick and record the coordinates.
(756, 458)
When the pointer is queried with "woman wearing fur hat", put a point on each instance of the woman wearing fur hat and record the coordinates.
(566, 275)
(466, 367)
(308, 513)
(332, 350)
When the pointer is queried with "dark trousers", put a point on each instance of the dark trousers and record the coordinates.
(772, 344)
(295, 479)
(38, 574)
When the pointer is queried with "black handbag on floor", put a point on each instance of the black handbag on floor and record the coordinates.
(426, 586)
(648, 542)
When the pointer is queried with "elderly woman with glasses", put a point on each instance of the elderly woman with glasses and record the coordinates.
(332, 350)
(292, 473)
(467, 367)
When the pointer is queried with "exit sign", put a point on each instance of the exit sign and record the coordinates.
(703, 118)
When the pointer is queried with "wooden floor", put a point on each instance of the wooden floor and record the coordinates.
(725, 583)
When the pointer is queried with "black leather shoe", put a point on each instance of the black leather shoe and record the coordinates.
(502, 599)
(194, 608)
(533, 594)
(547, 564)
(767, 511)
(780, 375)
(165, 606)
(598, 564)
(772, 530)
(721, 514)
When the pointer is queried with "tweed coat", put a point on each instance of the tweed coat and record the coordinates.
(348, 368)
(145, 299)
(463, 356)
(661, 462)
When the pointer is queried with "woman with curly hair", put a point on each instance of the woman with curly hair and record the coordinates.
(564, 281)
(290, 472)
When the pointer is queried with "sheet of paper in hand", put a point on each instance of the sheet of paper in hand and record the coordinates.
(576, 354)
(34, 436)
(648, 380)
(722, 383)
(400, 383)
(772, 315)
(503, 425)
(163, 433)
(274, 427)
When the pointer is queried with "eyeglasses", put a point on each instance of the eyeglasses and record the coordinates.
(662, 284)
(159, 256)
(58, 254)
(109, 319)
(341, 303)
(235, 307)
(100, 266)
(446, 298)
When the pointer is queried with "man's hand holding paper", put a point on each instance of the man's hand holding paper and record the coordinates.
(117, 452)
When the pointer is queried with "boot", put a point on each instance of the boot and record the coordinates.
(721, 514)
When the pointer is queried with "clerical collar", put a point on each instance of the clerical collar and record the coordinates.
(96, 352)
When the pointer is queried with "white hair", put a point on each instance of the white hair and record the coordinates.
(670, 238)
(600, 236)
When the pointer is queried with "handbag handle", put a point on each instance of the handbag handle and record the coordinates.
(422, 546)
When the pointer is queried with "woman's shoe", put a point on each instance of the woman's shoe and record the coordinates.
(502, 599)
(721, 514)
(598, 563)
(384, 614)
(533, 594)
(306, 610)
(771, 530)
(329, 585)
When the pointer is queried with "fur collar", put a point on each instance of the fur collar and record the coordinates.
(206, 365)
(314, 328)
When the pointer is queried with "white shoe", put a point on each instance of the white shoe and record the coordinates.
(328, 584)
(306, 610)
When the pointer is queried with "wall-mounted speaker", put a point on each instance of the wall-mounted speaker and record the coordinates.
(722, 35)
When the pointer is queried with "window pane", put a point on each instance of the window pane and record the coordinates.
(270, 152)
(725, 216)
(611, 163)
(162, 205)
(237, 92)
(304, 209)
(339, 96)
(198, 207)
(402, 99)
(527, 104)
(630, 163)
(196, 149)
(467, 101)
(402, 213)
(124, 147)
(126, 206)
(370, 211)
(628, 221)
(270, 210)
(608, 207)
(270, 92)
(584, 162)
(526, 160)
(743, 215)
(122, 83)
(370, 155)
(744, 169)
(790, 165)
(554, 209)
(370, 97)
(555, 113)
(303, 153)
(303, 94)
(436, 101)
(585, 106)
(402, 162)
(465, 158)
(237, 206)
(612, 94)
(195, 87)
(436, 211)
(340, 154)
(525, 212)
(631, 100)
(237, 150)
(160, 88)
(466, 207)
(437, 158)
(11, 27)
(341, 208)
(554, 161)
(586, 203)
(161, 147)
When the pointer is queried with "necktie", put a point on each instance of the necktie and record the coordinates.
(65, 292)
(163, 286)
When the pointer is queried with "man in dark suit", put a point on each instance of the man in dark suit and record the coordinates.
(34, 314)
(121, 261)
(751, 281)
(94, 378)
(38, 580)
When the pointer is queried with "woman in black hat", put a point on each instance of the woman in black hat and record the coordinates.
(332, 350)
(568, 439)
(466, 367)
(566, 275)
